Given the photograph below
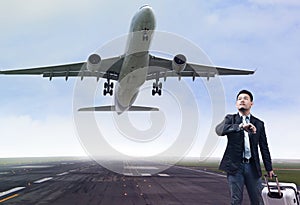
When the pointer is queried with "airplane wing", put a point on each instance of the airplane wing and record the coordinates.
(113, 108)
(162, 68)
(109, 65)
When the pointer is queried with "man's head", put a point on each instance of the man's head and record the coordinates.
(244, 101)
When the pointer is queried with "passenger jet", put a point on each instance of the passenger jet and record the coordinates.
(132, 69)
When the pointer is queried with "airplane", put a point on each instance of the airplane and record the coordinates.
(132, 69)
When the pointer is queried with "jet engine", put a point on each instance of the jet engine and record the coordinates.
(93, 62)
(179, 63)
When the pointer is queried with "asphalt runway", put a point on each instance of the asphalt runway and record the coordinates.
(86, 182)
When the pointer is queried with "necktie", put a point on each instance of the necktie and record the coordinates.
(247, 151)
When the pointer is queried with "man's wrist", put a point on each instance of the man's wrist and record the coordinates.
(241, 126)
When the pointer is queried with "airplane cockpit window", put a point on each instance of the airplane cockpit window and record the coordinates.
(146, 5)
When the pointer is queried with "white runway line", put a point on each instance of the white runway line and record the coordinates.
(128, 174)
(11, 191)
(61, 174)
(3, 173)
(32, 166)
(145, 175)
(140, 167)
(163, 175)
(43, 180)
(202, 171)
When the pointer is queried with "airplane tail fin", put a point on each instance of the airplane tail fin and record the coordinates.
(113, 108)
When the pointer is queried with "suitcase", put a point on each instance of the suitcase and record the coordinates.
(275, 193)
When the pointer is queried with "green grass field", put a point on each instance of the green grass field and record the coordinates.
(34, 160)
(286, 170)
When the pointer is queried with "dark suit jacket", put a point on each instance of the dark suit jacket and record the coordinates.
(233, 155)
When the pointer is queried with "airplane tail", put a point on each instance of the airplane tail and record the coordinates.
(113, 108)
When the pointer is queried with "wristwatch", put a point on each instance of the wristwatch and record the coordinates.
(241, 126)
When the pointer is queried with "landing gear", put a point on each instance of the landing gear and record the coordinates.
(145, 34)
(157, 86)
(108, 87)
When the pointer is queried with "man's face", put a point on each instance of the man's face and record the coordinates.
(243, 102)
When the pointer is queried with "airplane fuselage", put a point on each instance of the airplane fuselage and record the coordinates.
(135, 65)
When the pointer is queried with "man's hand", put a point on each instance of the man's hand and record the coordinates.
(249, 128)
(271, 174)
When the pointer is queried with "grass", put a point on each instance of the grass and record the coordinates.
(288, 176)
(287, 171)
(34, 160)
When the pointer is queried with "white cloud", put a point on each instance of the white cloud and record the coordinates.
(261, 34)
(282, 135)
(277, 2)
(23, 136)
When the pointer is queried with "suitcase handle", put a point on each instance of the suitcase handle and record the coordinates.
(270, 193)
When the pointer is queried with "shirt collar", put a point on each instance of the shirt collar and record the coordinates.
(246, 115)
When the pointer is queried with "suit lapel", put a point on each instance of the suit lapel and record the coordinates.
(238, 119)
(253, 121)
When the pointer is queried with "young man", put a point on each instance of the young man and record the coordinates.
(241, 159)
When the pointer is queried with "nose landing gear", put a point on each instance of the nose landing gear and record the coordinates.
(146, 34)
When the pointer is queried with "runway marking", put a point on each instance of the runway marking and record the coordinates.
(43, 180)
(128, 174)
(11, 191)
(140, 167)
(201, 171)
(163, 175)
(146, 175)
(2, 173)
(10, 197)
(61, 174)
(32, 166)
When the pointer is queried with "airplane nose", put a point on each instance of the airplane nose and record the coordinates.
(146, 9)
(149, 11)
(145, 6)
(148, 16)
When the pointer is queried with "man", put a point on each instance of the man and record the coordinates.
(241, 159)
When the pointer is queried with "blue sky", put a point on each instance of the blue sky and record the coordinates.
(36, 115)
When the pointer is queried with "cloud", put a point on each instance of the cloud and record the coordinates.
(38, 33)
(280, 129)
(23, 136)
(262, 35)
(276, 2)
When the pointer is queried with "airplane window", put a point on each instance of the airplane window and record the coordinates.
(144, 6)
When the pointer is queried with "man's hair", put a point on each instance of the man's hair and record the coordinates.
(245, 92)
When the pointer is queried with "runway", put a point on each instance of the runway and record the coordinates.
(86, 182)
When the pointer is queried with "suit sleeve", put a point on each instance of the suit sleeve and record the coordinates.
(264, 149)
(227, 126)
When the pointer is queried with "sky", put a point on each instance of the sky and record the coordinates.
(36, 116)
